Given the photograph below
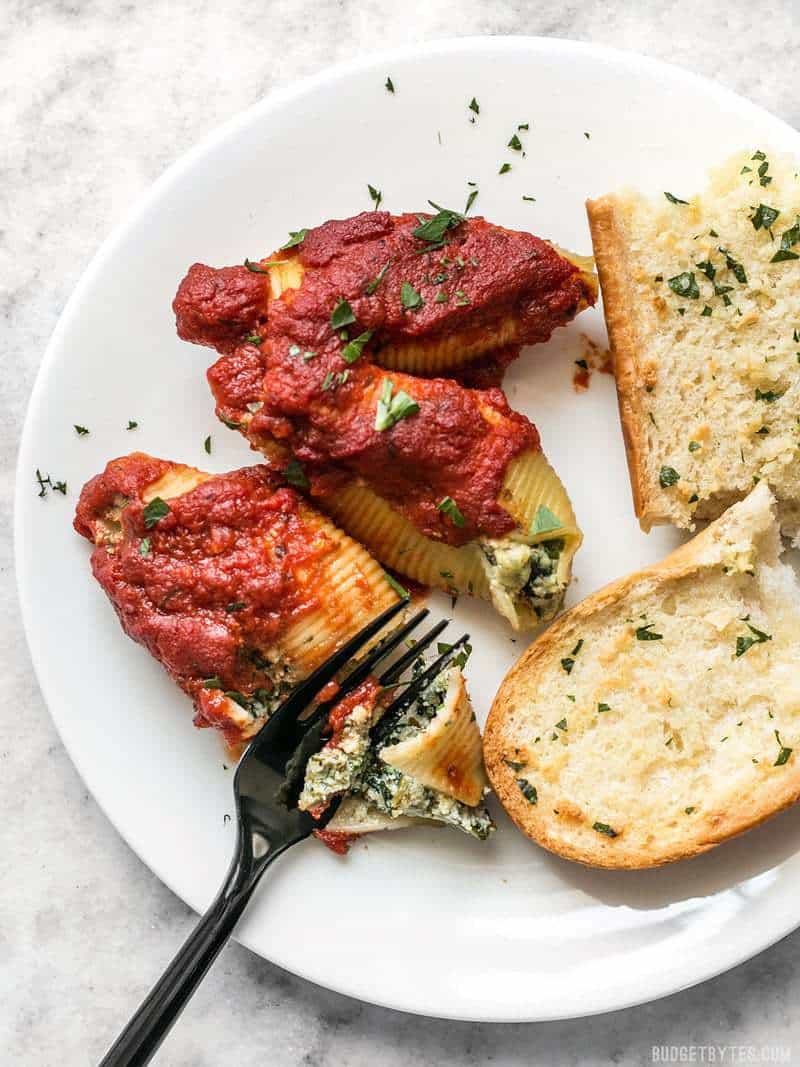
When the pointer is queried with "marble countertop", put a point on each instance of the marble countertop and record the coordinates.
(97, 99)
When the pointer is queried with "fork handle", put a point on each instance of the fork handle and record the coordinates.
(140, 1039)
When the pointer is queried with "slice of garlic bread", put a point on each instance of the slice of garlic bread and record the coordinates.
(661, 715)
(702, 302)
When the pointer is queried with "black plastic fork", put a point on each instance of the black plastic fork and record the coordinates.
(266, 788)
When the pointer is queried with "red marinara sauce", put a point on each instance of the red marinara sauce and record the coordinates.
(210, 583)
(300, 381)
(365, 694)
(336, 840)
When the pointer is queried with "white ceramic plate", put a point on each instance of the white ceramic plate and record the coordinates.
(425, 921)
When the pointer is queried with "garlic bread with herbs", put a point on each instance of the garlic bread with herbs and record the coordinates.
(661, 715)
(702, 302)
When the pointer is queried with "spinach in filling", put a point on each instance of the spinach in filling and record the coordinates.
(519, 572)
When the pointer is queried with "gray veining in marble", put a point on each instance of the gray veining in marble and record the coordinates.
(96, 99)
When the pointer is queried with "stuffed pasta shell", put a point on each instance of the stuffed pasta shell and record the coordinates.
(233, 582)
(425, 767)
(326, 348)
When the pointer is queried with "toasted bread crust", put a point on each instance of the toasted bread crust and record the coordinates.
(613, 267)
(765, 800)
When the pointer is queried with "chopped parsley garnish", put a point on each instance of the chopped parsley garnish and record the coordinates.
(460, 660)
(81, 431)
(532, 199)
(604, 828)
(449, 508)
(433, 230)
(603, 707)
(684, 285)
(569, 661)
(743, 643)
(154, 512)
(132, 424)
(764, 216)
(327, 382)
(582, 363)
(296, 237)
(238, 605)
(708, 268)
(784, 254)
(253, 339)
(391, 409)
(393, 582)
(254, 268)
(587, 135)
(515, 143)
(230, 423)
(689, 810)
(389, 85)
(409, 297)
(562, 725)
(207, 444)
(505, 168)
(474, 106)
(736, 268)
(473, 196)
(789, 238)
(342, 315)
(647, 633)
(784, 753)
(446, 574)
(667, 477)
(769, 397)
(353, 349)
(544, 521)
(528, 791)
(515, 765)
(694, 446)
(375, 195)
(376, 281)
(295, 475)
(675, 199)
(214, 682)
(144, 547)
(705, 312)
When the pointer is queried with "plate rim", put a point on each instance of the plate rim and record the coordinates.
(274, 100)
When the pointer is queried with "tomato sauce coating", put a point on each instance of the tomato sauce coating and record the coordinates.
(210, 583)
(301, 382)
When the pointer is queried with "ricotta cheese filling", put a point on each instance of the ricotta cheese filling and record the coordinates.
(335, 768)
(519, 572)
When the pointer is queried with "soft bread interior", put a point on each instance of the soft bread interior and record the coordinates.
(661, 715)
(701, 302)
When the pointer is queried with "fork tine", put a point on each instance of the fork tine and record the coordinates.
(408, 657)
(415, 687)
(359, 673)
(304, 694)
(381, 650)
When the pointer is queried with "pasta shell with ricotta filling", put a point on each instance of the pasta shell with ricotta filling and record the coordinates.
(447, 755)
(524, 575)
